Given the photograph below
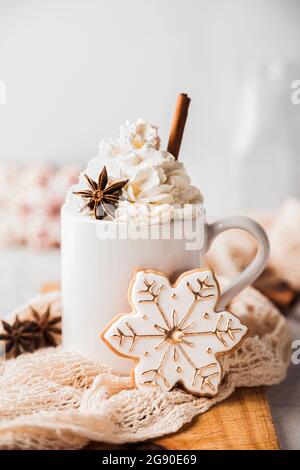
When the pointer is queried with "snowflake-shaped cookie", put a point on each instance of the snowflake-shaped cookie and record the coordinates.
(174, 332)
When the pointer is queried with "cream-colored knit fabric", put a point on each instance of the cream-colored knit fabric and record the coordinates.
(55, 399)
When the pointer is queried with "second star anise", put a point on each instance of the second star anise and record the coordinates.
(45, 327)
(102, 197)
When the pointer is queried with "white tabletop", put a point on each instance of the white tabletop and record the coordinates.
(23, 271)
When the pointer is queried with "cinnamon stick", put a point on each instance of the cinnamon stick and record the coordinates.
(178, 124)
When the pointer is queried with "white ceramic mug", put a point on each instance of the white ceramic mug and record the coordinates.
(97, 268)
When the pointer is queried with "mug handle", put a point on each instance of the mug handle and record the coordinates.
(256, 266)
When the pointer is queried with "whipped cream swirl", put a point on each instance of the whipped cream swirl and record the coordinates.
(159, 189)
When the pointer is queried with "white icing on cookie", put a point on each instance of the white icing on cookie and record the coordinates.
(174, 331)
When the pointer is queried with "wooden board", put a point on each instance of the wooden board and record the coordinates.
(241, 422)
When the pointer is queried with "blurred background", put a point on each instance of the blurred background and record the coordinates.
(71, 71)
(75, 69)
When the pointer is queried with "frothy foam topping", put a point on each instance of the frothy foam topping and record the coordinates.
(158, 190)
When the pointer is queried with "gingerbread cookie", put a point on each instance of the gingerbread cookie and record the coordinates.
(174, 332)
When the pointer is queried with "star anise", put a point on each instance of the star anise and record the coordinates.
(18, 337)
(102, 197)
(45, 328)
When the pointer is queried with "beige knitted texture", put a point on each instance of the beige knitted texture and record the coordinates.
(55, 399)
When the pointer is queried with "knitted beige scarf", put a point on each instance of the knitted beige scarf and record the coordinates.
(56, 399)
